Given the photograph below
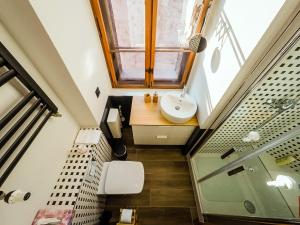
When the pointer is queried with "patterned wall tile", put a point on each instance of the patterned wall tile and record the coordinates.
(74, 188)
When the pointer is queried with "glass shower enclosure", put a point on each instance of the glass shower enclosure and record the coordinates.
(250, 164)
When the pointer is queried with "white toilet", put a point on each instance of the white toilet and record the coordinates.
(121, 177)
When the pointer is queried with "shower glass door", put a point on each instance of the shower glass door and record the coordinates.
(261, 189)
(250, 164)
(259, 179)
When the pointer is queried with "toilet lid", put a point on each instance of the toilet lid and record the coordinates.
(124, 177)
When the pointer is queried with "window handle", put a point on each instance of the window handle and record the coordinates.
(149, 70)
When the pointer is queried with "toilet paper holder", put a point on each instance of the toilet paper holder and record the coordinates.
(14, 196)
(133, 218)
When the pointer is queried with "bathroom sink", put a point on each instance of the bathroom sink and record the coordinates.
(177, 108)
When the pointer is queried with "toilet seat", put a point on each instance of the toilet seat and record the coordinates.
(121, 177)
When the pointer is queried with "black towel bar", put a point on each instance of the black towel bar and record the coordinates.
(21, 137)
(24, 149)
(16, 109)
(19, 123)
(7, 76)
(25, 78)
(1, 61)
(17, 132)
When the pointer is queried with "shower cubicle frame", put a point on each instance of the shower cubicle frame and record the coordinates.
(281, 45)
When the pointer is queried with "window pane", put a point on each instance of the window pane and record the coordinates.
(176, 20)
(125, 27)
(130, 65)
(124, 22)
(169, 65)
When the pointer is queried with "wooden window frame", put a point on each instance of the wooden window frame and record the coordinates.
(150, 39)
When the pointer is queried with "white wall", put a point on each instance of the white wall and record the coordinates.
(233, 30)
(39, 168)
(21, 21)
(75, 37)
(71, 27)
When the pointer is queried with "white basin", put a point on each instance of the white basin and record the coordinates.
(177, 108)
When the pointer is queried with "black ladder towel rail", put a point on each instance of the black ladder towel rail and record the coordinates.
(16, 109)
(7, 76)
(39, 109)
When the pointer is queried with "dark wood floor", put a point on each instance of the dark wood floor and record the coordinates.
(167, 197)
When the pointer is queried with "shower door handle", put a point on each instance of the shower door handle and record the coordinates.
(236, 170)
(228, 153)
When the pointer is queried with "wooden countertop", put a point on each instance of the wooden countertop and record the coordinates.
(149, 114)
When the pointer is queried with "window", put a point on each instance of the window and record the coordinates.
(145, 42)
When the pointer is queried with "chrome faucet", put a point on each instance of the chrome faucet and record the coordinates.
(183, 92)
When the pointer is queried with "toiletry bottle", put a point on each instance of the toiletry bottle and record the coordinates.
(147, 98)
(155, 97)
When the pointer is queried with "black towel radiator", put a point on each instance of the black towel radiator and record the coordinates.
(41, 102)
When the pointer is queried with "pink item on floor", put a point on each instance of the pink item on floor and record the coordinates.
(65, 216)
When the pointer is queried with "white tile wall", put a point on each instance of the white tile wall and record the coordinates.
(74, 191)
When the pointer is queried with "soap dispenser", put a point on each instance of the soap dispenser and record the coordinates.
(147, 98)
(155, 97)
